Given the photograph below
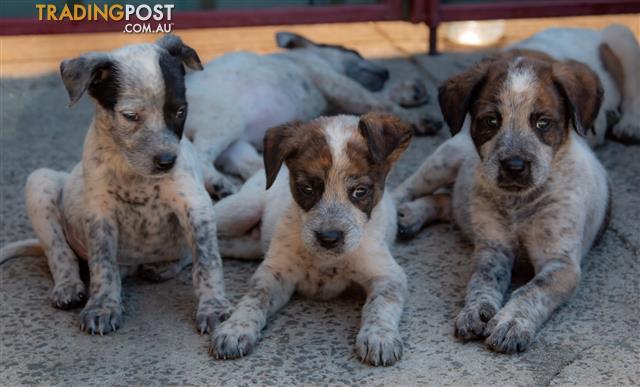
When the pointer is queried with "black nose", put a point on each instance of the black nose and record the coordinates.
(514, 165)
(329, 239)
(164, 161)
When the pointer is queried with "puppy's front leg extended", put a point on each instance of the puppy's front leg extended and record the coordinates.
(379, 341)
(486, 289)
(103, 312)
(557, 265)
(197, 218)
(271, 288)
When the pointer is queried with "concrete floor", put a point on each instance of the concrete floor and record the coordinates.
(592, 340)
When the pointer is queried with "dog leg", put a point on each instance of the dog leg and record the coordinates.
(240, 159)
(237, 214)
(197, 218)
(43, 190)
(486, 289)
(438, 170)
(412, 216)
(350, 97)
(379, 341)
(245, 247)
(271, 288)
(217, 185)
(163, 271)
(625, 47)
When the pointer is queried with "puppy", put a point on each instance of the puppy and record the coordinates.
(614, 55)
(525, 184)
(240, 95)
(326, 223)
(137, 198)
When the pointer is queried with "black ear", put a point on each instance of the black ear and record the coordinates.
(278, 144)
(582, 91)
(93, 71)
(289, 40)
(458, 93)
(387, 136)
(173, 44)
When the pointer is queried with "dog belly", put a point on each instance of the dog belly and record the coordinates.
(321, 287)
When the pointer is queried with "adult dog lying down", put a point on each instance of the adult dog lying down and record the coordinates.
(238, 96)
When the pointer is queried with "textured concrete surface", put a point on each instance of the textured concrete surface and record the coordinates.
(592, 340)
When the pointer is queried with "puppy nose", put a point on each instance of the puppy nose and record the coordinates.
(329, 239)
(514, 165)
(164, 161)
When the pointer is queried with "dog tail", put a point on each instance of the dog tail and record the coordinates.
(624, 46)
(27, 247)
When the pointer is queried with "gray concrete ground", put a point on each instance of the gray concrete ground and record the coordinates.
(592, 340)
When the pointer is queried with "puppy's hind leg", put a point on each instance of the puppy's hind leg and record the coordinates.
(237, 214)
(412, 216)
(240, 159)
(43, 190)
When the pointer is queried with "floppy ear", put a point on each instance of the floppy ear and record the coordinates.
(387, 136)
(458, 93)
(278, 145)
(581, 89)
(93, 71)
(289, 40)
(173, 44)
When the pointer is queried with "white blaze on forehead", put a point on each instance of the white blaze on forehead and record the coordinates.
(520, 78)
(338, 131)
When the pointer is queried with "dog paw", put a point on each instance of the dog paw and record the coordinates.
(233, 339)
(210, 314)
(101, 318)
(220, 188)
(379, 346)
(409, 221)
(68, 295)
(509, 335)
(472, 321)
(409, 93)
(428, 125)
(627, 130)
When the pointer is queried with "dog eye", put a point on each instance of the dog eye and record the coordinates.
(492, 122)
(359, 192)
(306, 189)
(542, 123)
(131, 116)
(181, 113)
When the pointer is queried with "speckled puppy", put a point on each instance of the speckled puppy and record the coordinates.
(326, 223)
(525, 182)
(137, 197)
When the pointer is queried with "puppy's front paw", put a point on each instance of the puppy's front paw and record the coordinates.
(220, 187)
(509, 335)
(68, 295)
(472, 320)
(233, 339)
(627, 130)
(101, 317)
(211, 313)
(379, 346)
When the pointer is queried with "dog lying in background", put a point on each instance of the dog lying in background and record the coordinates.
(137, 199)
(614, 55)
(238, 96)
(326, 222)
(525, 184)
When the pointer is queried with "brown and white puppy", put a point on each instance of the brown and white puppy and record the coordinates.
(137, 198)
(525, 183)
(326, 223)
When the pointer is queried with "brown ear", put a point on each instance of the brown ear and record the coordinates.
(582, 91)
(278, 145)
(174, 45)
(387, 136)
(290, 40)
(458, 93)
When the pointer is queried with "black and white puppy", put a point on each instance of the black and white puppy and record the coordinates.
(137, 200)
